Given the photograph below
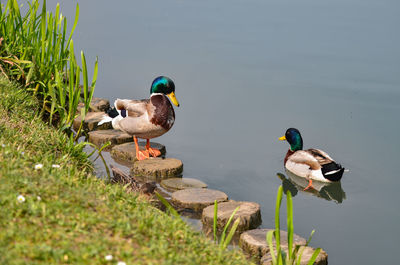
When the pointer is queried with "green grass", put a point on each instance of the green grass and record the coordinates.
(79, 219)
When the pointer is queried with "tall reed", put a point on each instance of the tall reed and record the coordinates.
(293, 254)
(36, 50)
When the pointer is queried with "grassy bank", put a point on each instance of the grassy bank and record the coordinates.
(67, 215)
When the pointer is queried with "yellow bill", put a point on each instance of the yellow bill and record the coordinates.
(283, 138)
(173, 98)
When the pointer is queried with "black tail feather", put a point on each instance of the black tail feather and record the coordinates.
(332, 171)
(112, 112)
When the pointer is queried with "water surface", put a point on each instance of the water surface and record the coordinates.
(244, 72)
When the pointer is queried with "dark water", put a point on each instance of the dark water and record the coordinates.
(244, 72)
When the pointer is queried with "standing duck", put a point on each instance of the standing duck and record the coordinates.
(313, 164)
(146, 118)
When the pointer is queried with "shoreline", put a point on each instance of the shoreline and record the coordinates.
(79, 219)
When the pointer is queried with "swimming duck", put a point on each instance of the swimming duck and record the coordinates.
(146, 118)
(313, 164)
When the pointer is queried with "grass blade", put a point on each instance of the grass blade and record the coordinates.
(167, 205)
(215, 220)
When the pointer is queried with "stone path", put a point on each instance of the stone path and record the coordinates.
(322, 258)
(116, 137)
(248, 213)
(127, 151)
(90, 122)
(254, 242)
(158, 168)
(197, 199)
(97, 105)
(182, 183)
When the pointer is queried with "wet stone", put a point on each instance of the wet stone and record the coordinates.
(97, 105)
(255, 244)
(91, 121)
(101, 137)
(322, 258)
(127, 151)
(248, 213)
(182, 183)
(157, 168)
(197, 199)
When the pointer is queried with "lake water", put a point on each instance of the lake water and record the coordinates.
(245, 71)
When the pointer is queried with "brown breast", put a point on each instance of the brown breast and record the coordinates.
(289, 153)
(163, 114)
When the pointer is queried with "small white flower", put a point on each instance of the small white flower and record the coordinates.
(55, 166)
(121, 263)
(109, 257)
(22, 153)
(3, 145)
(38, 166)
(38, 198)
(20, 198)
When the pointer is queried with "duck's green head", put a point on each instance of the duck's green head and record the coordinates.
(164, 85)
(293, 136)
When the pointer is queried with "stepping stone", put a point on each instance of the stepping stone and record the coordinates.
(182, 184)
(322, 258)
(101, 137)
(157, 168)
(127, 151)
(91, 121)
(97, 105)
(254, 242)
(248, 213)
(197, 199)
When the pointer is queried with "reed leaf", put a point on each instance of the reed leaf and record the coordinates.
(75, 23)
(314, 256)
(270, 245)
(289, 224)
(230, 234)
(277, 221)
(222, 239)
(294, 253)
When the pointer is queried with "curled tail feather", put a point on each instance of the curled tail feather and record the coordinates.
(111, 113)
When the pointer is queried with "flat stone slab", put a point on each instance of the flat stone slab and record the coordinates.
(101, 137)
(97, 105)
(249, 214)
(197, 199)
(157, 168)
(91, 121)
(322, 258)
(182, 184)
(254, 242)
(127, 151)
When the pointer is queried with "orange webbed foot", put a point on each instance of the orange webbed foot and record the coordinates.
(310, 186)
(154, 152)
(142, 155)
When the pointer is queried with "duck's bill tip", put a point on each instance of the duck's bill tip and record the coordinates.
(173, 99)
(283, 138)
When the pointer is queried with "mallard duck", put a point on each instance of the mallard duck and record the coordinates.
(146, 118)
(313, 164)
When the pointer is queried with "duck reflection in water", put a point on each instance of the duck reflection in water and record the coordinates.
(329, 191)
